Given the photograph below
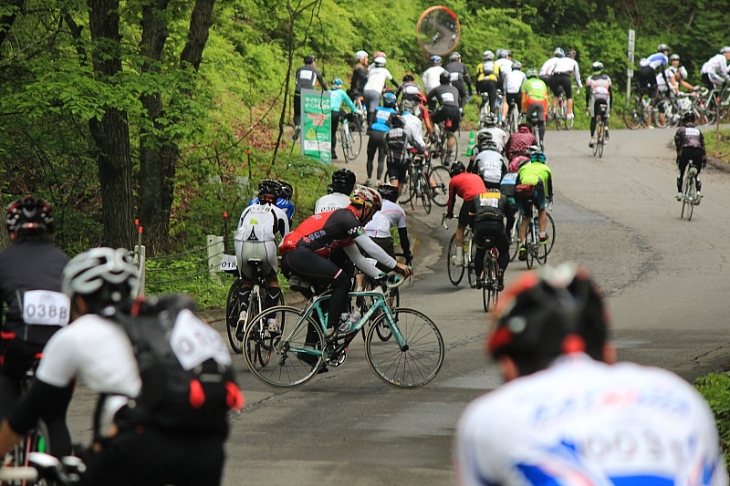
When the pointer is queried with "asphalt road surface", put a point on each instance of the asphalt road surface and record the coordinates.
(666, 280)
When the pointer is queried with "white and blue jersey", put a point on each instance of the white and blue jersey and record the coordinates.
(582, 422)
(284, 204)
(382, 119)
(657, 61)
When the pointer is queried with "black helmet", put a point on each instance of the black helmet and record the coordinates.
(286, 191)
(29, 216)
(343, 181)
(408, 77)
(545, 314)
(445, 78)
(688, 117)
(457, 168)
(388, 191)
(269, 190)
(309, 59)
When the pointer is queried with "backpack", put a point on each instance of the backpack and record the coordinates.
(187, 377)
(488, 67)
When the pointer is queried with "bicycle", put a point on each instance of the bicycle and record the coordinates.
(514, 118)
(393, 301)
(235, 326)
(456, 272)
(637, 113)
(412, 358)
(424, 181)
(549, 229)
(689, 195)
(443, 138)
(601, 128)
(535, 130)
(488, 280)
(560, 115)
(350, 140)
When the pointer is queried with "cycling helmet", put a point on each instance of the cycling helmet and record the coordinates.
(389, 100)
(507, 53)
(379, 61)
(488, 56)
(597, 66)
(457, 168)
(725, 50)
(662, 48)
(269, 190)
(380, 54)
(570, 53)
(360, 55)
(286, 191)
(337, 83)
(516, 66)
(558, 310)
(537, 156)
(388, 192)
(28, 216)
(445, 78)
(501, 53)
(559, 52)
(531, 73)
(674, 57)
(107, 273)
(435, 60)
(408, 77)
(309, 59)
(455, 56)
(688, 117)
(343, 180)
(365, 196)
(484, 137)
(490, 120)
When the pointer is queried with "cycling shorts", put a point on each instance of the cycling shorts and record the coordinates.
(538, 199)
(447, 112)
(563, 80)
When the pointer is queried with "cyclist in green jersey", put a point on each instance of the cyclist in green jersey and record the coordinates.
(540, 176)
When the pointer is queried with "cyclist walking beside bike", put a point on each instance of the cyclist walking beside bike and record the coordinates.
(256, 239)
(376, 141)
(598, 97)
(690, 145)
(359, 75)
(538, 175)
(467, 186)
(337, 98)
(398, 140)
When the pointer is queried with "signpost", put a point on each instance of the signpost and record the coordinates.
(630, 71)
(316, 117)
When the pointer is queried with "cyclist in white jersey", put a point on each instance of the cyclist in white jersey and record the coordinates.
(391, 215)
(568, 415)
(512, 89)
(715, 70)
(430, 77)
(343, 182)
(565, 69)
(377, 76)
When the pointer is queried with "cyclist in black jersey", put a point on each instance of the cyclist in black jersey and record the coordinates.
(305, 78)
(30, 285)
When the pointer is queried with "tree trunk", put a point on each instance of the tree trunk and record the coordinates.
(111, 133)
(6, 21)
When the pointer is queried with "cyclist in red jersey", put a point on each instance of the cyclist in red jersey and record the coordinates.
(467, 186)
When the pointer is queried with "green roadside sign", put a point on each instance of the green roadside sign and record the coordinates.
(316, 117)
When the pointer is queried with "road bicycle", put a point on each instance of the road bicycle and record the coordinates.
(514, 118)
(412, 358)
(43, 469)
(456, 272)
(488, 280)
(444, 137)
(636, 112)
(425, 182)
(535, 130)
(531, 236)
(392, 300)
(350, 137)
(235, 326)
(485, 110)
(560, 115)
(666, 111)
(689, 195)
(601, 132)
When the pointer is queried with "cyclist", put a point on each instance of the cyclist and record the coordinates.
(408, 90)
(546, 74)
(30, 277)
(490, 209)
(715, 70)
(513, 82)
(488, 162)
(256, 238)
(343, 182)
(337, 98)
(459, 77)
(431, 76)
(413, 124)
(519, 142)
(467, 186)
(534, 101)
(96, 349)
(374, 87)
(499, 136)
(568, 413)
(379, 128)
(646, 76)
(448, 110)
(398, 140)
(598, 97)
(319, 248)
(306, 77)
(391, 215)
(540, 176)
(677, 75)
(283, 201)
(690, 145)
(504, 61)
(488, 76)
(359, 75)
(565, 68)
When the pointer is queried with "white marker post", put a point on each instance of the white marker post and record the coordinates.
(630, 71)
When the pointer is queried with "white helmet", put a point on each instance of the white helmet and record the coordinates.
(379, 60)
(360, 55)
(99, 268)
(488, 56)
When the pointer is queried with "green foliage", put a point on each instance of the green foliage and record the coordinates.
(715, 387)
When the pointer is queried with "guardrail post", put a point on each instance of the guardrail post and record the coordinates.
(139, 257)
(215, 253)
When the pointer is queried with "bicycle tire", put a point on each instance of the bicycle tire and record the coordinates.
(550, 230)
(233, 311)
(425, 192)
(355, 138)
(286, 369)
(515, 235)
(414, 365)
(404, 197)
(382, 329)
(471, 271)
(529, 244)
(450, 156)
(260, 348)
(439, 178)
(489, 289)
(560, 115)
(634, 115)
(597, 141)
(456, 273)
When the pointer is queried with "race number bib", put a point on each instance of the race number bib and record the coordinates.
(46, 308)
(194, 342)
(454, 77)
(228, 263)
(448, 97)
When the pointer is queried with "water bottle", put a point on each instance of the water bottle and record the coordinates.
(348, 321)
(537, 228)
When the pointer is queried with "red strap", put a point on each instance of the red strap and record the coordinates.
(234, 397)
(197, 395)
(7, 335)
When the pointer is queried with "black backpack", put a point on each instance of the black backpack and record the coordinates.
(187, 377)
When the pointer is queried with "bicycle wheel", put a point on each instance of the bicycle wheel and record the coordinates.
(550, 230)
(259, 349)
(689, 195)
(515, 237)
(456, 272)
(354, 143)
(233, 311)
(425, 191)
(601, 139)
(530, 243)
(415, 189)
(471, 271)
(450, 154)
(489, 285)
(560, 115)
(634, 115)
(405, 188)
(514, 119)
(439, 179)
(294, 358)
(416, 363)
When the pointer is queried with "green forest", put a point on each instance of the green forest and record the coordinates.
(162, 110)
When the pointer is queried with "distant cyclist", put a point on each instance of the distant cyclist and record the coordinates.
(459, 77)
(337, 98)
(398, 140)
(408, 90)
(540, 176)
(690, 145)
(359, 75)
(499, 136)
(646, 76)
(715, 70)
(448, 111)
(306, 77)
(513, 82)
(490, 209)
(534, 101)
(546, 74)
(431, 76)
(343, 182)
(566, 69)
(598, 97)
(488, 76)
(467, 186)
(489, 162)
(377, 77)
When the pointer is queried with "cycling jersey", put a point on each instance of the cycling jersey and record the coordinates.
(444, 94)
(598, 88)
(519, 142)
(390, 215)
(414, 126)
(505, 65)
(566, 66)
(337, 97)
(306, 76)
(408, 90)
(462, 74)
(488, 70)
(657, 61)
(284, 204)
(534, 90)
(717, 67)
(585, 422)
(431, 77)
(499, 137)
(689, 136)
(537, 173)
(330, 202)
(261, 222)
(491, 166)
(513, 81)
(467, 186)
(381, 121)
(377, 78)
(548, 67)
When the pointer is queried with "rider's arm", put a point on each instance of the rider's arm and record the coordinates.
(405, 243)
(576, 72)
(41, 397)
(371, 248)
(588, 93)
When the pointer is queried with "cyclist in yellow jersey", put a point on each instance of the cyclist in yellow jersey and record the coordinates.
(535, 100)
(487, 79)
(540, 176)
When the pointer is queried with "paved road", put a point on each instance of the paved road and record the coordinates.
(666, 280)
